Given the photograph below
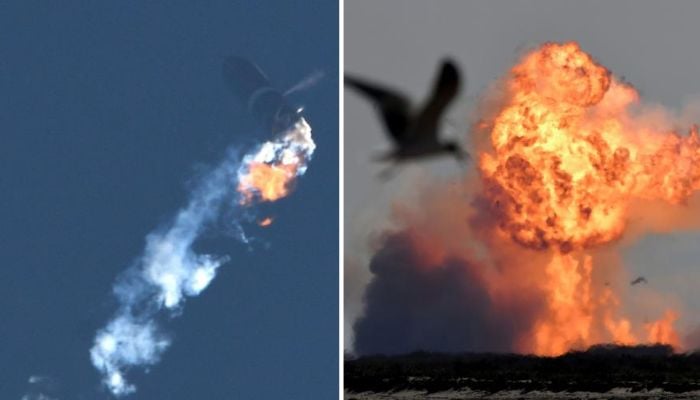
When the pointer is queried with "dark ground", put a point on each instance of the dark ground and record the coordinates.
(600, 369)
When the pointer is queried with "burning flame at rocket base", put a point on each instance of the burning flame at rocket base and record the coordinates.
(169, 269)
(567, 157)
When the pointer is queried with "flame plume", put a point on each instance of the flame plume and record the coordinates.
(568, 159)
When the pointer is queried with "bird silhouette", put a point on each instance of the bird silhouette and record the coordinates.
(414, 133)
(640, 279)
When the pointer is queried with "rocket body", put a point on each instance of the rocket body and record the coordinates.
(266, 104)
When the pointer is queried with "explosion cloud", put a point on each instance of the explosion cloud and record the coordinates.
(566, 155)
(169, 270)
(268, 173)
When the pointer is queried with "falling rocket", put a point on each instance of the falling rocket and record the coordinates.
(265, 103)
(269, 173)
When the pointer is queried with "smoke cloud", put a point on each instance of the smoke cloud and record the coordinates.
(414, 304)
(169, 270)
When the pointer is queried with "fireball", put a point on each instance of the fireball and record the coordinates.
(568, 157)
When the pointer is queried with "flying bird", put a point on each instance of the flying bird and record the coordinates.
(638, 280)
(414, 132)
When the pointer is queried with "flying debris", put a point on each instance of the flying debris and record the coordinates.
(266, 104)
(415, 134)
(638, 280)
(267, 221)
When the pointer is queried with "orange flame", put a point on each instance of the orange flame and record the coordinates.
(662, 331)
(269, 182)
(568, 158)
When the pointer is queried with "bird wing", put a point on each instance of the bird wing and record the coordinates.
(394, 107)
(444, 91)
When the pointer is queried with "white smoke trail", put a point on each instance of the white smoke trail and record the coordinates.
(306, 82)
(169, 269)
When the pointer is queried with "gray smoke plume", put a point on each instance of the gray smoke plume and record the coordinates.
(411, 306)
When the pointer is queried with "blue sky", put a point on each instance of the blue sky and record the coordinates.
(107, 110)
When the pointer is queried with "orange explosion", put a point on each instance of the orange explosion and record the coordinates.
(269, 182)
(568, 158)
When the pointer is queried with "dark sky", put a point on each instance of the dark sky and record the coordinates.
(106, 109)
